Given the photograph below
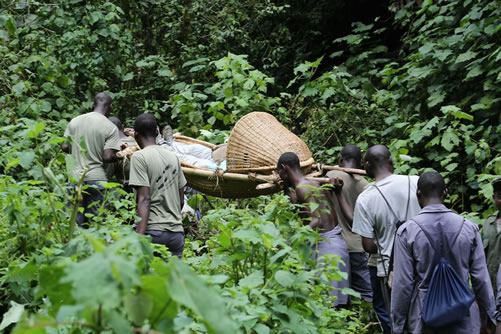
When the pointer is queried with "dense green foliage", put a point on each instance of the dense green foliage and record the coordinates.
(423, 79)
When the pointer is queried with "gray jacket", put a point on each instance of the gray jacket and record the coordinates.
(415, 261)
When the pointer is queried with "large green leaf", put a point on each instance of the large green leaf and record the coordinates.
(138, 307)
(163, 308)
(285, 278)
(191, 291)
(26, 158)
(449, 140)
(13, 315)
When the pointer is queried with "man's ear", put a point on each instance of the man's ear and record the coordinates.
(390, 160)
(444, 195)
(366, 164)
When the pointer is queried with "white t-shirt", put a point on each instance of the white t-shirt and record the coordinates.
(372, 214)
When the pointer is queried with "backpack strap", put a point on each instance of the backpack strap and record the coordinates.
(408, 200)
(425, 234)
(408, 196)
(429, 237)
(457, 234)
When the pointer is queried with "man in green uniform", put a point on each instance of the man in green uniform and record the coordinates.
(156, 175)
(102, 143)
(492, 235)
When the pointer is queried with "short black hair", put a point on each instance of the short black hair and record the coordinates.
(351, 153)
(378, 154)
(146, 125)
(431, 184)
(115, 120)
(289, 159)
(102, 99)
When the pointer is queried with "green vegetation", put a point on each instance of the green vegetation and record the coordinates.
(423, 79)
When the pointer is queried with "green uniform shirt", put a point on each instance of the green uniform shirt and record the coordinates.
(159, 169)
(492, 246)
(99, 134)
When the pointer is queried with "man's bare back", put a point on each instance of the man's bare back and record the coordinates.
(322, 217)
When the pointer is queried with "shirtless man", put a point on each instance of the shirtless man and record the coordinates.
(322, 219)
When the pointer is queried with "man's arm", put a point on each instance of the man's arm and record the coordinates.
(403, 282)
(498, 302)
(363, 224)
(143, 207)
(65, 147)
(111, 145)
(369, 245)
(480, 281)
(181, 197)
(110, 156)
(347, 211)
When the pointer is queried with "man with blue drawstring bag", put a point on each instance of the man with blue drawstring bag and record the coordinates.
(437, 254)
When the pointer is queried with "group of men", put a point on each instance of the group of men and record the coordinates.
(402, 223)
(379, 230)
(154, 173)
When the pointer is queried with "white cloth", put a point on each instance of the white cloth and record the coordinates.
(193, 154)
(372, 214)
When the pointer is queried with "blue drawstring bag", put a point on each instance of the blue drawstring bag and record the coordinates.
(449, 298)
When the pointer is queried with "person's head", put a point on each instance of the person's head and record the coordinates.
(102, 103)
(377, 159)
(145, 127)
(350, 156)
(287, 164)
(431, 189)
(496, 187)
(117, 122)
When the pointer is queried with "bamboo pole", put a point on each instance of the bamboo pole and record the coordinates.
(343, 169)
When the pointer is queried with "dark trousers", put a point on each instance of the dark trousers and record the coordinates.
(174, 241)
(92, 200)
(360, 276)
(378, 301)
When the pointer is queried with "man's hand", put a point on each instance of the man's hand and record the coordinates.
(485, 330)
(369, 245)
(338, 184)
(65, 147)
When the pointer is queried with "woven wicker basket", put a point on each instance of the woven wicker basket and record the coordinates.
(236, 185)
(223, 184)
(257, 142)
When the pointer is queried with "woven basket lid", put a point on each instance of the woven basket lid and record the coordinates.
(258, 140)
